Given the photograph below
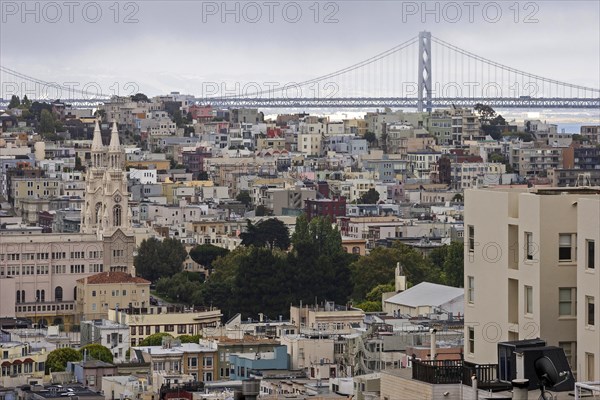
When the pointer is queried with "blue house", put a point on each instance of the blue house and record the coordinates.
(244, 365)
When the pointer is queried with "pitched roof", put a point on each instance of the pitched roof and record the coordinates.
(426, 294)
(112, 277)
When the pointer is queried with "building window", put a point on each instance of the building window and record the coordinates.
(472, 340)
(567, 304)
(193, 362)
(528, 300)
(570, 349)
(117, 215)
(590, 253)
(590, 311)
(471, 236)
(589, 366)
(207, 362)
(565, 247)
(471, 289)
(58, 294)
(529, 246)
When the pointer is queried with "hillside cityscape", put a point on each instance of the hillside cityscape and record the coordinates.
(172, 242)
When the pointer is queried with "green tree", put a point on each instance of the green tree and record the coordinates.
(497, 158)
(484, 111)
(262, 284)
(261, 211)
(319, 264)
(180, 287)
(47, 122)
(155, 339)
(376, 293)
(454, 269)
(244, 198)
(178, 118)
(219, 288)
(458, 197)
(189, 338)
(369, 306)
(205, 254)
(78, 165)
(378, 268)
(370, 137)
(15, 102)
(157, 258)
(140, 97)
(57, 359)
(97, 352)
(270, 232)
(370, 197)
(25, 103)
(100, 113)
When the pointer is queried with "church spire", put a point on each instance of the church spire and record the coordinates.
(97, 141)
(115, 144)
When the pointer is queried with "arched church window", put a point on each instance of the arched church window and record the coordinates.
(58, 294)
(117, 215)
(96, 213)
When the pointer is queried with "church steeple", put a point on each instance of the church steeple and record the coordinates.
(97, 148)
(105, 208)
(97, 140)
(114, 148)
(115, 144)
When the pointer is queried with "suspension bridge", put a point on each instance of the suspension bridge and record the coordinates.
(424, 72)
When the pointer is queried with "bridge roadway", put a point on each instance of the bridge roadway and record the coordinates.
(370, 102)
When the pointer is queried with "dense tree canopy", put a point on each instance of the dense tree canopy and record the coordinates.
(189, 338)
(319, 261)
(370, 197)
(57, 359)
(180, 287)
(155, 339)
(244, 198)
(205, 254)
(97, 352)
(156, 259)
(271, 232)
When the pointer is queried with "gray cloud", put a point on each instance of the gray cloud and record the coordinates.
(177, 45)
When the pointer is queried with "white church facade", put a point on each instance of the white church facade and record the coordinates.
(39, 272)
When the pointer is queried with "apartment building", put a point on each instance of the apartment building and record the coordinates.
(523, 250)
(591, 133)
(196, 359)
(588, 289)
(20, 364)
(144, 322)
(326, 319)
(98, 293)
(109, 334)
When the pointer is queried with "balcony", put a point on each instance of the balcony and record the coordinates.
(437, 372)
(54, 308)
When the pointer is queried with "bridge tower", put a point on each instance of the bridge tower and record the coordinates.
(424, 71)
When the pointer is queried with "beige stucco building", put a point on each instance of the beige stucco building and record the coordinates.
(588, 289)
(98, 293)
(147, 321)
(523, 254)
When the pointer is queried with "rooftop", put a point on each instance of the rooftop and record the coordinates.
(426, 293)
(112, 277)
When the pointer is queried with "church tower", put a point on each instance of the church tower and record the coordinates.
(106, 209)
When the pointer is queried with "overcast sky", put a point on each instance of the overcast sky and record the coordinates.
(177, 45)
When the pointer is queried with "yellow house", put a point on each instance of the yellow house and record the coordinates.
(19, 365)
(96, 294)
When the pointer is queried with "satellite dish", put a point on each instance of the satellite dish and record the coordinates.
(547, 374)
